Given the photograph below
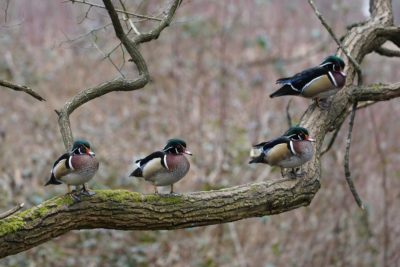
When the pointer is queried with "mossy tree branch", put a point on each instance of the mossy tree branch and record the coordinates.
(124, 210)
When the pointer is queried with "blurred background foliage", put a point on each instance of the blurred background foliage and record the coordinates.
(212, 71)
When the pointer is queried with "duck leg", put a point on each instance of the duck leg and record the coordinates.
(73, 194)
(292, 173)
(172, 189)
(155, 190)
(86, 192)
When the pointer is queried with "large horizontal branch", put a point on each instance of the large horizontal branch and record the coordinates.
(21, 88)
(374, 92)
(125, 210)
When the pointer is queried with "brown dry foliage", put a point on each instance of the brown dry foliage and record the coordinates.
(210, 86)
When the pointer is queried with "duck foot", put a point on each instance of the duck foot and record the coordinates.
(323, 104)
(75, 197)
(84, 191)
(292, 174)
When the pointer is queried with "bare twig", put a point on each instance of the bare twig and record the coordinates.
(86, 15)
(382, 158)
(11, 211)
(288, 116)
(387, 52)
(332, 140)
(126, 18)
(6, 10)
(116, 10)
(22, 88)
(237, 245)
(108, 56)
(345, 51)
(347, 159)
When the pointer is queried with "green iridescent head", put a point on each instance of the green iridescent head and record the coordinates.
(81, 147)
(298, 133)
(333, 63)
(176, 146)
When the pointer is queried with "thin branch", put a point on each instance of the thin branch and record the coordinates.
(91, 32)
(86, 15)
(22, 88)
(11, 211)
(288, 116)
(237, 245)
(108, 56)
(387, 52)
(166, 21)
(347, 160)
(382, 158)
(117, 10)
(332, 140)
(126, 18)
(6, 10)
(345, 51)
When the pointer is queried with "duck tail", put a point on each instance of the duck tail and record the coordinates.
(53, 180)
(137, 173)
(284, 90)
(259, 159)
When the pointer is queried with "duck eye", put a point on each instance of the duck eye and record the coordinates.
(336, 67)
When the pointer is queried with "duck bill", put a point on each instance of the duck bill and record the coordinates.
(188, 152)
(310, 139)
(90, 153)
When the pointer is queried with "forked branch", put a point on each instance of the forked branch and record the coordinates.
(118, 84)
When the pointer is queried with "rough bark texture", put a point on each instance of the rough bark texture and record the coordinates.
(125, 210)
(133, 211)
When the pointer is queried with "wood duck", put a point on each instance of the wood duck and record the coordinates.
(165, 167)
(291, 150)
(317, 83)
(76, 167)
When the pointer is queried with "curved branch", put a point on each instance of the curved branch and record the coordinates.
(118, 84)
(22, 88)
(387, 52)
(125, 210)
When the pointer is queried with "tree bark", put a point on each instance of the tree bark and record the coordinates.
(125, 210)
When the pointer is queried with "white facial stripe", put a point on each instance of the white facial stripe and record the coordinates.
(294, 88)
(70, 163)
(332, 78)
(165, 162)
(292, 148)
(327, 63)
